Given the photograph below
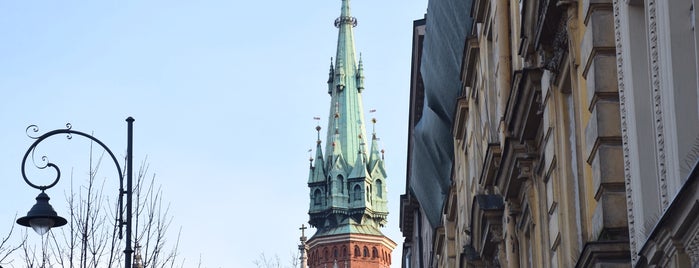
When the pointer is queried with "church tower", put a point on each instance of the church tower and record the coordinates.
(348, 199)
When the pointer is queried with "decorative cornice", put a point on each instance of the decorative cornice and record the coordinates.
(657, 100)
(633, 247)
(383, 240)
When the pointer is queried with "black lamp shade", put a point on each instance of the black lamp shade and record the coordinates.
(42, 212)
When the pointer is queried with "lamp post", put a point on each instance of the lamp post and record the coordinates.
(41, 217)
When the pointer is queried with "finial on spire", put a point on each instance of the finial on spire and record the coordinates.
(310, 157)
(382, 154)
(331, 75)
(318, 128)
(373, 124)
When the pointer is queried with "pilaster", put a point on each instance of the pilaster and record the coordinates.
(608, 241)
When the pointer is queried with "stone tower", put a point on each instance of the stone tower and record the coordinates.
(348, 199)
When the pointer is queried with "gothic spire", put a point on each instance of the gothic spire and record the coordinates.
(347, 192)
(346, 99)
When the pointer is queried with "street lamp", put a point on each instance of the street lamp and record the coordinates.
(41, 217)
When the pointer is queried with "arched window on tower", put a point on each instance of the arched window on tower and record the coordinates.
(317, 197)
(357, 252)
(357, 192)
(374, 253)
(379, 187)
(330, 185)
(335, 254)
(366, 252)
(341, 184)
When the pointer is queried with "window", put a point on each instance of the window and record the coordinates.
(374, 253)
(357, 192)
(341, 182)
(335, 253)
(379, 192)
(357, 253)
(317, 197)
(366, 252)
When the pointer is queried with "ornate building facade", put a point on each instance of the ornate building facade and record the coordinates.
(574, 135)
(347, 180)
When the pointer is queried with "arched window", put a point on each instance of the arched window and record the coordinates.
(327, 256)
(379, 192)
(357, 192)
(341, 182)
(357, 253)
(317, 197)
(366, 252)
(344, 251)
(374, 253)
(331, 183)
(335, 253)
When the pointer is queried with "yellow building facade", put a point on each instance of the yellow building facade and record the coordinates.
(538, 170)
(538, 151)
(574, 135)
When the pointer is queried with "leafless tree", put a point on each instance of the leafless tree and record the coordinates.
(91, 237)
(263, 261)
(7, 248)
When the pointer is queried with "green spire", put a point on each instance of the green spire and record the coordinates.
(374, 153)
(317, 172)
(347, 183)
(345, 93)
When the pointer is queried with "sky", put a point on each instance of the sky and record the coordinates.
(223, 92)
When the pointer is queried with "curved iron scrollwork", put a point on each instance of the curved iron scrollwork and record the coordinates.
(45, 163)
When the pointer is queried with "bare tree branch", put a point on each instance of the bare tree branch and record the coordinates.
(92, 240)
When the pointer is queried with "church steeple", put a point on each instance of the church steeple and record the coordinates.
(347, 183)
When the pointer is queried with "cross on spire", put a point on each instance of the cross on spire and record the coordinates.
(303, 229)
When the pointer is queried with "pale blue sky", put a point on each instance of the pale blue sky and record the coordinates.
(223, 92)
